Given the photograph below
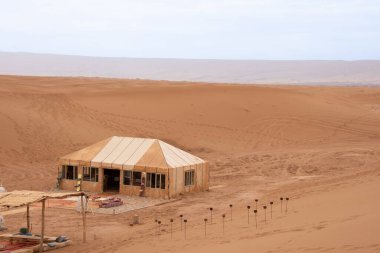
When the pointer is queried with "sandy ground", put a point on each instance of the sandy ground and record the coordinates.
(320, 146)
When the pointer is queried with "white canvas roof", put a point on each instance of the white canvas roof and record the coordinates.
(126, 152)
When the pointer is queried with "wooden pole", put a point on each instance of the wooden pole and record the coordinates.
(265, 212)
(286, 207)
(248, 207)
(27, 218)
(171, 229)
(223, 216)
(42, 226)
(185, 227)
(271, 204)
(205, 227)
(83, 218)
(159, 228)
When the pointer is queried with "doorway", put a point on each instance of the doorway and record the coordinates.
(111, 180)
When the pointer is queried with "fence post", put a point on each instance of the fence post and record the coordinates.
(223, 216)
(155, 227)
(231, 211)
(185, 220)
(171, 229)
(205, 219)
(159, 228)
(271, 204)
(265, 214)
(248, 207)
(286, 205)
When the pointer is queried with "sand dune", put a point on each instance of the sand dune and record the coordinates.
(318, 145)
(365, 72)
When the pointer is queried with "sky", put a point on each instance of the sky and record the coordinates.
(196, 29)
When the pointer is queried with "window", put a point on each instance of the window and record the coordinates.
(90, 174)
(69, 172)
(155, 180)
(127, 177)
(136, 178)
(132, 178)
(189, 177)
(162, 181)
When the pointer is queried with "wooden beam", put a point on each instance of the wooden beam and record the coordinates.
(28, 218)
(83, 218)
(42, 227)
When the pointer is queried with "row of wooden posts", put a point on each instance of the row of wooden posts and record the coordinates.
(183, 221)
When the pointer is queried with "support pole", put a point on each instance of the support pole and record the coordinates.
(83, 218)
(28, 218)
(42, 226)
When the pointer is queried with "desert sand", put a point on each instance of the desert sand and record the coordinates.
(319, 146)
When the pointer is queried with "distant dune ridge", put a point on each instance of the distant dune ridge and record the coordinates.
(366, 72)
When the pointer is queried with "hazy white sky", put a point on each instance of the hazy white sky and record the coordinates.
(218, 29)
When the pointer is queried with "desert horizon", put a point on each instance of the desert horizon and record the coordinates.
(285, 72)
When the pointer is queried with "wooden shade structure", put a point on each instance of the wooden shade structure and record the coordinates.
(16, 199)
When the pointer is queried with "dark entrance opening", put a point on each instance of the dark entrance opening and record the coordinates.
(111, 180)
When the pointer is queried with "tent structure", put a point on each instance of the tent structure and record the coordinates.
(134, 166)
